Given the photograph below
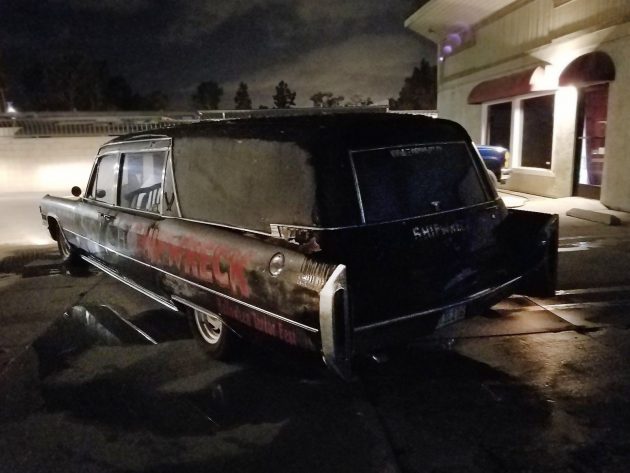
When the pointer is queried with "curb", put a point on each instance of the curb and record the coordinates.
(593, 216)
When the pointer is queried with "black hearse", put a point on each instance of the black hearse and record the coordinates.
(340, 233)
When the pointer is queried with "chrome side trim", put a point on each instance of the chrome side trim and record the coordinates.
(408, 317)
(207, 289)
(130, 283)
(219, 225)
(169, 161)
(357, 189)
(491, 204)
(192, 305)
(148, 337)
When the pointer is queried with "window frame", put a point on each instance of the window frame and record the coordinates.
(475, 163)
(89, 194)
(121, 162)
(120, 150)
(516, 129)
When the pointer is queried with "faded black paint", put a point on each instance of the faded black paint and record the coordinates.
(394, 269)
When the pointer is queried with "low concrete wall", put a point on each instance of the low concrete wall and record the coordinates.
(52, 164)
(32, 167)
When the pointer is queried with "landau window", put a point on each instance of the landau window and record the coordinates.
(141, 180)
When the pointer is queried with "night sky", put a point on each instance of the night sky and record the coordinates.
(343, 46)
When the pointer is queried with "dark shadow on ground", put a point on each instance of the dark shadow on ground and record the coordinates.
(440, 411)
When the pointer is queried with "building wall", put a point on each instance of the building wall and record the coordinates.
(528, 25)
(52, 164)
(615, 188)
(534, 33)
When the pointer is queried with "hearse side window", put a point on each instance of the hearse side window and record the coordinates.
(105, 184)
(405, 182)
(141, 180)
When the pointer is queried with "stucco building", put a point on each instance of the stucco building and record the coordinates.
(546, 78)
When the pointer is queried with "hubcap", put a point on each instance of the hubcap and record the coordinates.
(209, 325)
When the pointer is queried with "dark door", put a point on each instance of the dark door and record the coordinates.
(591, 142)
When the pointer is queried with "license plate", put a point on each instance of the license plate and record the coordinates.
(451, 315)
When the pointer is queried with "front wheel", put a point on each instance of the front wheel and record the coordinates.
(71, 257)
(214, 337)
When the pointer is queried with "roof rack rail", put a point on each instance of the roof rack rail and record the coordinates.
(286, 112)
(146, 136)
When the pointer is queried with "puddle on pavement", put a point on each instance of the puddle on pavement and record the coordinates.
(579, 246)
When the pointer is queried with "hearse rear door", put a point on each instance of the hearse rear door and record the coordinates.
(141, 199)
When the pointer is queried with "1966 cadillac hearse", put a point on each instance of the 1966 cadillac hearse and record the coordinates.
(342, 233)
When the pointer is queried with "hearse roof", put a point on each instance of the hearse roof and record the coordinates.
(351, 130)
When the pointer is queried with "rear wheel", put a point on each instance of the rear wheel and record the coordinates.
(214, 337)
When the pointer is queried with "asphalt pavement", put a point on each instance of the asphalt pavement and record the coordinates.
(533, 385)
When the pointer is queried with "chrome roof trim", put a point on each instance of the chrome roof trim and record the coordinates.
(157, 138)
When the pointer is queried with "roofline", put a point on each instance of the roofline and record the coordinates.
(446, 14)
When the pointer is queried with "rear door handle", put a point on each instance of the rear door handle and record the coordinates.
(107, 217)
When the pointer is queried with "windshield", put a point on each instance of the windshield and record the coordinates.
(403, 182)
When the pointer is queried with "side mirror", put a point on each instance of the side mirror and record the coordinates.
(76, 191)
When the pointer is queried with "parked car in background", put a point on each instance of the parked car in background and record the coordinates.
(342, 234)
(497, 160)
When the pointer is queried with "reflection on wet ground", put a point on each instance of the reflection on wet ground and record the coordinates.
(81, 328)
(131, 392)
(583, 243)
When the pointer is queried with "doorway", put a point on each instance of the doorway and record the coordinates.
(590, 150)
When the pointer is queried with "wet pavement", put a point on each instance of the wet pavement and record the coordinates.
(97, 378)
